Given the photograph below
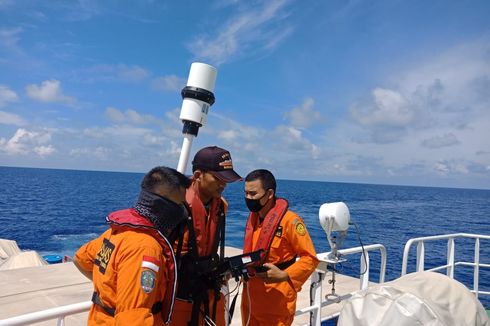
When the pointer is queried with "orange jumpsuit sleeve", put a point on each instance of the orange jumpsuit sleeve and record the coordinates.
(300, 241)
(85, 256)
(133, 304)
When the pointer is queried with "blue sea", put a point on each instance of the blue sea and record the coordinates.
(56, 211)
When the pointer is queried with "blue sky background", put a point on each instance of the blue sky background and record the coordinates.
(392, 92)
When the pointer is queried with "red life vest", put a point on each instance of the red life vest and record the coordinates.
(128, 219)
(205, 224)
(270, 224)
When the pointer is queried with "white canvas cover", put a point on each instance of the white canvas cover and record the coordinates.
(24, 259)
(8, 248)
(422, 298)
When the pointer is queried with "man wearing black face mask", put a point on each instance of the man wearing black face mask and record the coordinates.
(269, 298)
(132, 264)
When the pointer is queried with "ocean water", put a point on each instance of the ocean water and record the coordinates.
(56, 211)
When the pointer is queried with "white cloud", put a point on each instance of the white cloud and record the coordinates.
(114, 114)
(7, 118)
(44, 150)
(428, 127)
(251, 145)
(49, 92)
(292, 139)
(169, 83)
(7, 95)
(25, 142)
(119, 72)
(444, 94)
(445, 140)
(99, 152)
(255, 29)
(9, 39)
(304, 116)
(129, 116)
(389, 108)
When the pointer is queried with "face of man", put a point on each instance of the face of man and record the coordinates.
(255, 191)
(209, 185)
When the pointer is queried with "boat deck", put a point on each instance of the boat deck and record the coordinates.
(32, 289)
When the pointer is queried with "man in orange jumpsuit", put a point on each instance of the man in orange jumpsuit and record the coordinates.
(132, 264)
(198, 295)
(283, 236)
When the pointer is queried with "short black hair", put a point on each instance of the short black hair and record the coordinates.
(265, 176)
(162, 176)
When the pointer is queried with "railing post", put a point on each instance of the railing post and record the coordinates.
(364, 267)
(476, 267)
(420, 256)
(450, 257)
(316, 298)
(382, 270)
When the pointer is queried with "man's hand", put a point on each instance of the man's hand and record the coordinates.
(273, 274)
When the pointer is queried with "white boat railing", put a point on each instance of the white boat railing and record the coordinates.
(316, 296)
(451, 263)
(58, 313)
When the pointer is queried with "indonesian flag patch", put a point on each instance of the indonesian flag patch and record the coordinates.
(151, 263)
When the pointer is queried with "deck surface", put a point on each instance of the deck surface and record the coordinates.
(33, 289)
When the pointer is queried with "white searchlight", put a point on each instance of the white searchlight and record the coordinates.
(197, 98)
(334, 217)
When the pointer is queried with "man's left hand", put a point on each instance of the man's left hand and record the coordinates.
(273, 274)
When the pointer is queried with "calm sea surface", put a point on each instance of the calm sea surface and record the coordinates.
(56, 211)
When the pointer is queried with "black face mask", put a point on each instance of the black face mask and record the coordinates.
(162, 212)
(254, 205)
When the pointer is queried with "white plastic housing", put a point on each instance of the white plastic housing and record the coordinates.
(203, 76)
(334, 217)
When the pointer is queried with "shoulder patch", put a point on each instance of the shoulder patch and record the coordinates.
(300, 228)
(148, 280)
(104, 255)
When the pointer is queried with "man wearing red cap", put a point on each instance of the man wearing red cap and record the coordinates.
(198, 293)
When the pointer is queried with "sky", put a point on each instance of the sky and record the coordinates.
(382, 92)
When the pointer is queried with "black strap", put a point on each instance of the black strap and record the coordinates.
(155, 309)
(96, 299)
(232, 306)
(221, 225)
(179, 246)
(204, 299)
(285, 264)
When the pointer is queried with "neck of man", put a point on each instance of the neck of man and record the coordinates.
(265, 210)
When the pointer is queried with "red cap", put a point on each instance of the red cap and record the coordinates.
(217, 161)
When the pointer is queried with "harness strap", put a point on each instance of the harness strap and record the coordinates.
(108, 310)
(155, 309)
(285, 264)
(203, 299)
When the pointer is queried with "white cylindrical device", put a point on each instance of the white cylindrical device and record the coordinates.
(198, 95)
(197, 99)
(339, 212)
